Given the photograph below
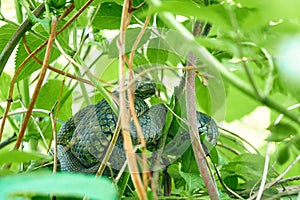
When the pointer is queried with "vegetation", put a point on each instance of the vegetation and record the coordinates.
(236, 57)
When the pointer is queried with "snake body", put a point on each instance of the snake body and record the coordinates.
(84, 138)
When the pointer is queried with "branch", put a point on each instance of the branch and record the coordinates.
(39, 82)
(192, 119)
(124, 114)
(11, 44)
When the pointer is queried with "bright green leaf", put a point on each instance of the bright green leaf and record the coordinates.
(6, 32)
(5, 79)
(238, 104)
(49, 95)
(216, 14)
(231, 181)
(108, 17)
(61, 184)
(19, 156)
(194, 181)
(157, 51)
(283, 154)
(281, 131)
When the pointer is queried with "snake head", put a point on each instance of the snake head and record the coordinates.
(144, 89)
(208, 126)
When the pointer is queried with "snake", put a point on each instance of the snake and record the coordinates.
(82, 140)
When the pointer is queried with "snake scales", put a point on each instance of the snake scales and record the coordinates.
(84, 138)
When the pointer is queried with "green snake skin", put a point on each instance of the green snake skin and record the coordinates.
(83, 139)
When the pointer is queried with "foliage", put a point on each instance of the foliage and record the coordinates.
(247, 62)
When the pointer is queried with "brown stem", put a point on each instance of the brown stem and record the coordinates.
(39, 83)
(131, 104)
(124, 114)
(192, 119)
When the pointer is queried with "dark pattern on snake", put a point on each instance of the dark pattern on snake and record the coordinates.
(83, 139)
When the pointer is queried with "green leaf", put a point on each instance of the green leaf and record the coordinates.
(61, 184)
(281, 131)
(247, 166)
(283, 154)
(263, 12)
(107, 68)
(80, 3)
(215, 14)
(157, 51)
(6, 32)
(5, 81)
(19, 156)
(108, 17)
(238, 104)
(203, 97)
(49, 96)
(296, 142)
(231, 181)
(194, 181)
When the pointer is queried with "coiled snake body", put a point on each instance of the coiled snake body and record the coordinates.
(84, 138)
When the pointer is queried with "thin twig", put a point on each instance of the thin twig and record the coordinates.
(37, 127)
(265, 172)
(241, 138)
(8, 140)
(21, 111)
(53, 123)
(109, 149)
(276, 180)
(290, 179)
(229, 149)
